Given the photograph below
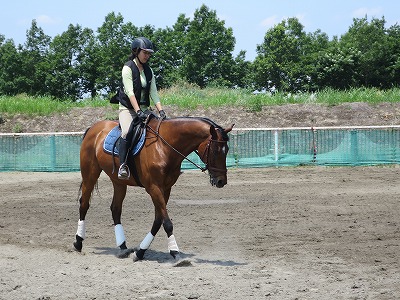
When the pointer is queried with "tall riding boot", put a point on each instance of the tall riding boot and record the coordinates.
(123, 172)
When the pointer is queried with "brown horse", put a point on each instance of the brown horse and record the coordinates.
(158, 166)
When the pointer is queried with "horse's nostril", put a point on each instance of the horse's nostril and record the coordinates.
(220, 183)
(217, 182)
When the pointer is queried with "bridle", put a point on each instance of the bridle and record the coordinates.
(205, 157)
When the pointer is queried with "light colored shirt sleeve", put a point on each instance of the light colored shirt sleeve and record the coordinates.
(153, 90)
(127, 81)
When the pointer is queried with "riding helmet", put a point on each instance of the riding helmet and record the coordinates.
(143, 44)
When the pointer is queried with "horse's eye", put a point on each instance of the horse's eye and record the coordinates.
(225, 149)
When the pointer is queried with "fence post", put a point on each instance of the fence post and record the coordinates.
(314, 145)
(53, 153)
(354, 147)
(276, 145)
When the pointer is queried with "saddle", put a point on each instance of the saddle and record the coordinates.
(138, 138)
(111, 142)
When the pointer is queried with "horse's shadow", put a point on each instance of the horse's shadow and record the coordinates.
(164, 257)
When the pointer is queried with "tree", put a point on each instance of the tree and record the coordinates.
(34, 66)
(10, 72)
(336, 67)
(279, 62)
(240, 74)
(208, 47)
(394, 52)
(168, 59)
(371, 40)
(89, 63)
(65, 60)
(114, 39)
(315, 45)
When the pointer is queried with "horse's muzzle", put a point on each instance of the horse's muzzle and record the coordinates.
(219, 181)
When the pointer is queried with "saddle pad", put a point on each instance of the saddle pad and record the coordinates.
(112, 137)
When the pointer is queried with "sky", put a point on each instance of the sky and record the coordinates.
(249, 19)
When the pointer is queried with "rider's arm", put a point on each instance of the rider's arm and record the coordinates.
(154, 94)
(128, 86)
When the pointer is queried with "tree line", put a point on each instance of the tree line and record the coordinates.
(199, 51)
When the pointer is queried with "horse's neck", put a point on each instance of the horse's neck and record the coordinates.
(187, 134)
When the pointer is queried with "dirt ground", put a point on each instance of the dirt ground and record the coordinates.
(271, 233)
(291, 115)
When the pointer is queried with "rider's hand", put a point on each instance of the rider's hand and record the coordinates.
(141, 115)
(162, 114)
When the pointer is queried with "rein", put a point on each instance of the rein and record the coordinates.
(177, 151)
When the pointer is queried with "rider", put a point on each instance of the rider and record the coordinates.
(139, 86)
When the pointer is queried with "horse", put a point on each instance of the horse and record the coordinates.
(156, 168)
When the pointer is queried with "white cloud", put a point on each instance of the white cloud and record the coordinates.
(274, 20)
(302, 18)
(270, 21)
(222, 17)
(370, 12)
(44, 19)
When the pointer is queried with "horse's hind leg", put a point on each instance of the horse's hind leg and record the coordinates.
(116, 211)
(88, 183)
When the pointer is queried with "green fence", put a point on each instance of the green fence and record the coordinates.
(316, 146)
(248, 148)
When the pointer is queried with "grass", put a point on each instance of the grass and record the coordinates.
(41, 106)
(190, 97)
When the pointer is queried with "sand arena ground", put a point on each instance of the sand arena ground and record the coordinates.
(285, 233)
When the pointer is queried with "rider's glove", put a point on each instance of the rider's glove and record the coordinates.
(162, 114)
(141, 115)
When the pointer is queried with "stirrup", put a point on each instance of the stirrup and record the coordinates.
(123, 172)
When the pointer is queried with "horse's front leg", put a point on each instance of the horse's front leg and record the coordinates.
(172, 245)
(160, 200)
(169, 229)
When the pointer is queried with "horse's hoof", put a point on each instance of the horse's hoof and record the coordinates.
(124, 253)
(78, 243)
(123, 246)
(135, 258)
(77, 247)
(138, 254)
(175, 254)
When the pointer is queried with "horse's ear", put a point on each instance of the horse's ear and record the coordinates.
(229, 128)
(213, 132)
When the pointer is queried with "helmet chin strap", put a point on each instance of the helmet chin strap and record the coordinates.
(137, 56)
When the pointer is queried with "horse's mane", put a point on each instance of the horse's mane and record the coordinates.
(212, 123)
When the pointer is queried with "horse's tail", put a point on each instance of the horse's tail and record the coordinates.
(86, 131)
(80, 187)
(80, 191)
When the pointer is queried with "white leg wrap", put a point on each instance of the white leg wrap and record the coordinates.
(81, 229)
(145, 244)
(119, 234)
(172, 245)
